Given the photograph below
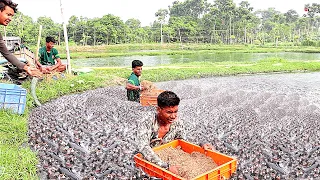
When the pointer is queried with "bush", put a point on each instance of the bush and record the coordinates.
(256, 42)
(308, 42)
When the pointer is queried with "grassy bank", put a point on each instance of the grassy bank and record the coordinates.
(173, 49)
(17, 161)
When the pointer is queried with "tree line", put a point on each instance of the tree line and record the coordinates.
(189, 21)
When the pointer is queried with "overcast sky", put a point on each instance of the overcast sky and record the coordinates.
(143, 10)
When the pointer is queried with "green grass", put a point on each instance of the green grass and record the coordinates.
(17, 161)
(77, 52)
(207, 69)
(76, 55)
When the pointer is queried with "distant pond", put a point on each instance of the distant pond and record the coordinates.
(125, 61)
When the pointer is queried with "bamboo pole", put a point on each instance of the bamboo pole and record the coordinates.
(66, 40)
(161, 36)
(34, 64)
(38, 47)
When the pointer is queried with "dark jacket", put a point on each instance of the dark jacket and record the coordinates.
(8, 55)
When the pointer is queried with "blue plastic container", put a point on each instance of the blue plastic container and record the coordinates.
(13, 97)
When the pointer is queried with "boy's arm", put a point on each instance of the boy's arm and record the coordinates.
(130, 86)
(143, 141)
(9, 56)
(57, 58)
(38, 62)
(56, 65)
(38, 58)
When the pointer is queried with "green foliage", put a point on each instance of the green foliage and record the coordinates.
(17, 161)
(9, 130)
(195, 21)
(309, 42)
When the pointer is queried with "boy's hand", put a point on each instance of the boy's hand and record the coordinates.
(208, 146)
(142, 88)
(49, 68)
(173, 169)
(32, 71)
(43, 69)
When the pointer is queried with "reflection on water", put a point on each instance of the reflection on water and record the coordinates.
(196, 57)
(122, 61)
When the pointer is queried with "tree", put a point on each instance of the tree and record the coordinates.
(227, 11)
(191, 8)
(49, 28)
(161, 14)
(245, 18)
(189, 21)
(134, 31)
(184, 27)
(291, 16)
(72, 27)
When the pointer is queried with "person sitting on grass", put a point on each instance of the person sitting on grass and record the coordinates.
(162, 128)
(49, 59)
(133, 85)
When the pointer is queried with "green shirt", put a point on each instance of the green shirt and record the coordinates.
(48, 58)
(133, 95)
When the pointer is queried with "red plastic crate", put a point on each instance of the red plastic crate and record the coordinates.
(226, 165)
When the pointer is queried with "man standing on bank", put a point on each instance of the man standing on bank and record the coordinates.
(133, 85)
(7, 10)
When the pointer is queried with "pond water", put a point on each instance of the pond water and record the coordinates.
(199, 57)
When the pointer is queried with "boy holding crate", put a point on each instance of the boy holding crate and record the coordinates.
(162, 128)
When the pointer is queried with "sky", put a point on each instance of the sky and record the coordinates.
(143, 10)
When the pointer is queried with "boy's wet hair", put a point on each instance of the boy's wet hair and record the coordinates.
(167, 99)
(136, 63)
(50, 39)
(4, 3)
